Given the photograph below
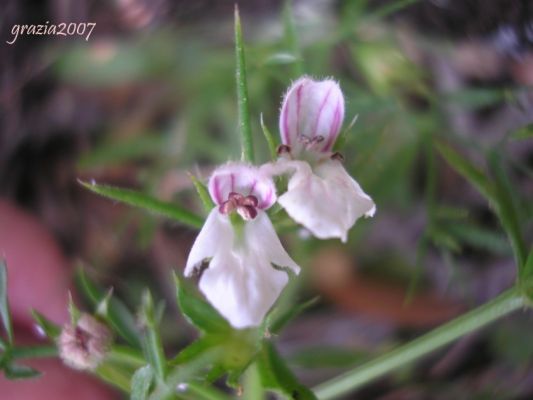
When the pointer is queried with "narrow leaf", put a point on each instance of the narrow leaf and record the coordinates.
(276, 375)
(49, 328)
(245, 127)
(507, 211)
(141, 200)
(16, 371)
(5, 312)
(467, 170)
(197, 311)
(118, 316)
(203, 193)
(151, 339)
(140, 383)
(272, 145)
(277, 321)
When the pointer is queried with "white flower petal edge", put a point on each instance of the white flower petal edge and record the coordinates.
(326, 200)
(241, 281)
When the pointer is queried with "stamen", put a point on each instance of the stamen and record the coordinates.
(337, 156)
(250, 200)
(283, 148)
(246, 207)
(247, 212)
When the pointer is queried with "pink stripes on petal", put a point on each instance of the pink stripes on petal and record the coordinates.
(285, 136)
(232, 178)
(320, 109)
(298, 106)
(252, 187)
(335, 126)
(266, 201)
(216, 191)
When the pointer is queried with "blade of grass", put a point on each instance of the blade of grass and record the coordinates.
(245, 127)
(152, 340)
(502, 305)
(141, 200)
(507, 211)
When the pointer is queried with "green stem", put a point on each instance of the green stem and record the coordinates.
(242, 93)
(502, 305)
(34, 352)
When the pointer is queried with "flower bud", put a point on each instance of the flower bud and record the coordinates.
(311, 115)
(84, 346)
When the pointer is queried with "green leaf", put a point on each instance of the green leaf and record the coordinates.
(524, 133)
(245, 127)
(118, 316)
(276, 321)
(16, 371)
(50, 329)
(507, 211)
(141, 200)
(197, 311)
(140, 383)
(464, 167)
(272, 145)
(276, 375)
(5, 312)
(33, 352)
(203, 193)
(528, 267)
(151, 339)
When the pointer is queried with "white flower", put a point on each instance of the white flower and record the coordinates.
(242, 279)
(321, 195)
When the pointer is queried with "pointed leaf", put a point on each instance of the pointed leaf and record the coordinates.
(277, 376)
(140, 383)
(49, 328)
(152, 345)
(197, 311)
(276, 321)
(272, 145)
(16, 371)
(203, 193)
(5, 312)
(141, 200)
(118, 315)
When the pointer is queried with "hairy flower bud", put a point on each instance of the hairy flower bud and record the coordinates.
(84, 346)
(311, 115)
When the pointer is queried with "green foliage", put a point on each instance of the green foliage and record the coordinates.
(275, 375)
(140, 383)
(141, 200)
(117, 316)
(245, 126)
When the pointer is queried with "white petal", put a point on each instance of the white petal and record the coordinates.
(244, 179)
(262, 239)
(216, 232)
(328, 202)
(241, 282)
(311, 109)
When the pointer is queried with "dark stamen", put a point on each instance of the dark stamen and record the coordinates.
(283, 148)
(337, 156)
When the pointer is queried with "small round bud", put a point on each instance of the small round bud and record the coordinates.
(84, 346)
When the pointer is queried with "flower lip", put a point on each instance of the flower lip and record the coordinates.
(242, 188)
